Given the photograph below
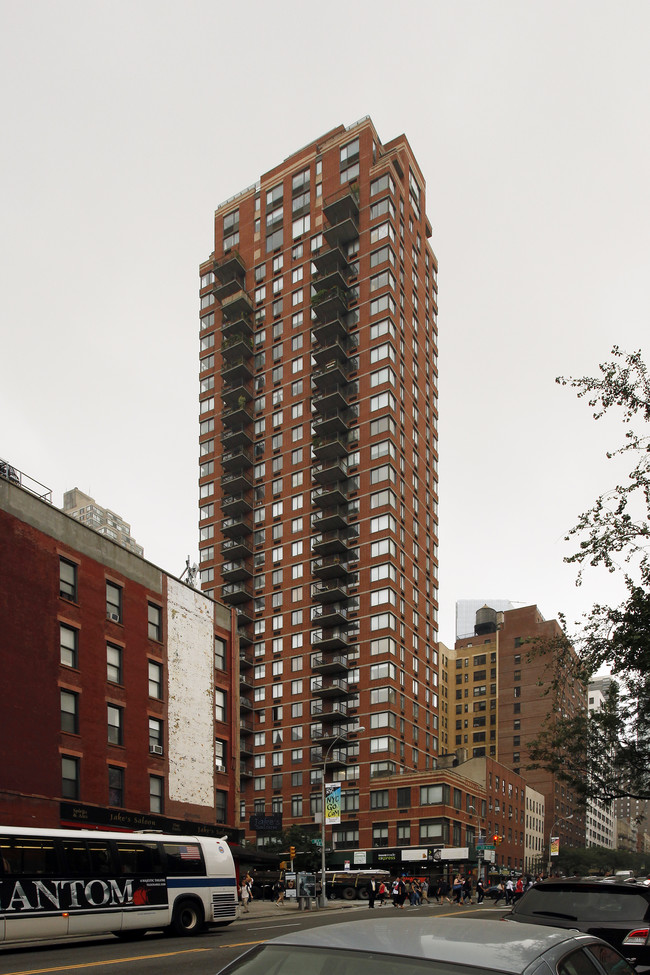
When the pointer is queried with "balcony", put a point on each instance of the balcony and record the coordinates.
(327, 448)
(329, 592)
(342, 213)
(236, 416)
(238, 369)
(341, 350)
(246, 660)
(236, 526)
(336, 759)
(236, 504)
(332, 259)
(245, 704)
(238, 325)
(334, 543)
(246, 727)
(245, 682)
(236, 306)
(237, 548)
(246, 770)
(245, 748)
(245, 635)
(236, 592)
(332, 567)
(330, 302)
(331, 495)
(330, 471)
(334, 369)
(331, 519)
(334, 398)
(236, 460)
(236, 483)
(230, 268)
(330, 615)
(338, 421)
(329, 711)
(237, 393)
(244, 615)
(236, 571)
(329, 331)
(236, 346)
(238, 436)
(326, 663)
(325, 733)
(334, 639)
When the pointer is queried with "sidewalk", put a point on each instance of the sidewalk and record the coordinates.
(262, 909)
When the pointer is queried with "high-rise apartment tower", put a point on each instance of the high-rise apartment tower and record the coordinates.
(318, 470)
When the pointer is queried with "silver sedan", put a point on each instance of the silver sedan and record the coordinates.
(439, 946)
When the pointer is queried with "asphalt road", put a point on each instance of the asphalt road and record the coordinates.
(160, 954)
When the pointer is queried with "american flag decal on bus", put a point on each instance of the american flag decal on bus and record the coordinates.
(189, 852)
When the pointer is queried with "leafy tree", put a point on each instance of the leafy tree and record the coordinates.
(606, 753)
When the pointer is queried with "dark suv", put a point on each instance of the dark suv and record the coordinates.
(615, 910)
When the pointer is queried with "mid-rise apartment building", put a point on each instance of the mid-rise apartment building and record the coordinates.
(86, 510)
(501, 704)
(318, 469)
(118, 683)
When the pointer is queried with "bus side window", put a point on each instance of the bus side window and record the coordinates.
(76, 857)
(101, 859)
(184, 859)
(139, 859)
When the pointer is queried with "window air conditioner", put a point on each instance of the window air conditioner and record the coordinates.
(156, 749)
(113, 616)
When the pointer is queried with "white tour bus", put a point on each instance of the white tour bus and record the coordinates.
(59, 882)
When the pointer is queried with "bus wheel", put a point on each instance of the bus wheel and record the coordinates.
(187, 919)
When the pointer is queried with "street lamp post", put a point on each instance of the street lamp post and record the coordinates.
(561, 819)
(323, 893)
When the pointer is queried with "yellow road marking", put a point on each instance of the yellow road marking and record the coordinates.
(120, 961)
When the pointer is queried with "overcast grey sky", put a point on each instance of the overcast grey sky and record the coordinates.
(125, 124)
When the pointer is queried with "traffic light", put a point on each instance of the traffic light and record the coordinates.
(495, 838)
(292, 852)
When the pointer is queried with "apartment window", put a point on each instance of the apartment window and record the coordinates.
(220, 705)
(115, 785)
(155, 622)
(70, 777)
(156, 794)
(114, 663)
(68, 580)
(219, 653)
(69, 645)
(70, 712)
(114, 602)
(221, 806)
(380, 834)
(379, 799)
(433, 795)
(155, 736)
(296, 806)
(155, 680)
(115, 725)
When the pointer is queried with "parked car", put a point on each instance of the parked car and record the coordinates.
(617, 910)
(493, 891)
(430, 946)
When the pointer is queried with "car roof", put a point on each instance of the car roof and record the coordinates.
(575, 883)
(493, 945)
